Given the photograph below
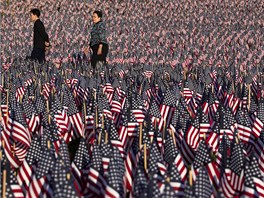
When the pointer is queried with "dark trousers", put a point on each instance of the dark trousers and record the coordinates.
(38, 54)
(95, 57)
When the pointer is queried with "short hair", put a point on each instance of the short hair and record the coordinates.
(99, 13)
(35, 11)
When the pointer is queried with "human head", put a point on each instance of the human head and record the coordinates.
(34, 14)
(97, 15)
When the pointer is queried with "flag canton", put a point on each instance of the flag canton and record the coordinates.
(106, 150)
(96, 160)
(40, 104)
(203, 187)
(115, 96)
(116, 171)
(103, 105)
(189, 191)
(45, 164)
(154, 110)
(28, 108)
(237, 159)
(59, 174)
(113, 132)
(196, 123)
(212, 98)
(153, 189)
(34, 153)
(51, 132)
(66, 98)
(82, 158)
(169, 99)
(140, 182)
(63, 150)
(3, 99)
(202, 156)
(134, 103)
(168, 191)
(174, 173)
(19, 117)
(72, 108)
(170, 150)
(249, 182)
(68, 191)
(55, 105)
(175, 117)
(154, 158)
(131, 117)
(204, 118)
(254, 168)
(229, 119)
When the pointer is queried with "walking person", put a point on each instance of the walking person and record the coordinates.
(98, 40)
(40, 39)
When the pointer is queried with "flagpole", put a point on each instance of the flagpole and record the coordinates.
(106, 137)
(4, 184)
(99, 138)
(190, 177)
(48, 110)
(1, 115)
(145, 157)
(173, 137)
(249, 93)
(140, 135)
(7, 96)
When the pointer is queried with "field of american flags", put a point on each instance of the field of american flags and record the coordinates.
(174, 113)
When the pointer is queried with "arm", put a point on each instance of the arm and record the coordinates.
(41, 29)
(102, 35)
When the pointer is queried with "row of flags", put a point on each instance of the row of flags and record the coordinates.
(190, 34)
(68, 132)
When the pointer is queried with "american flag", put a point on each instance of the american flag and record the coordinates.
(140, 182)
(62, 181)
(167, 107)
(193, 134)
(78, 166)
(106, 149)
(75, 119)
(202, 185)
(154, 159)
(153, 188)
(104, 107)
(233, 178)
(41, 178)
(244, 127)
(20, 90)
(20, 133)
(13, 189)
(96, 181)
(115, 140)
(115, 187)
(251, 172)
(26, 170)
(202, 158)
(170, 150)
(33, 120)
(175, 179)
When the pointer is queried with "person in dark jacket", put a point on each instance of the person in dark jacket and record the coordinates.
(98, 40)
(40, 39)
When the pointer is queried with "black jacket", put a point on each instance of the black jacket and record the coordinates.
(40, 35)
